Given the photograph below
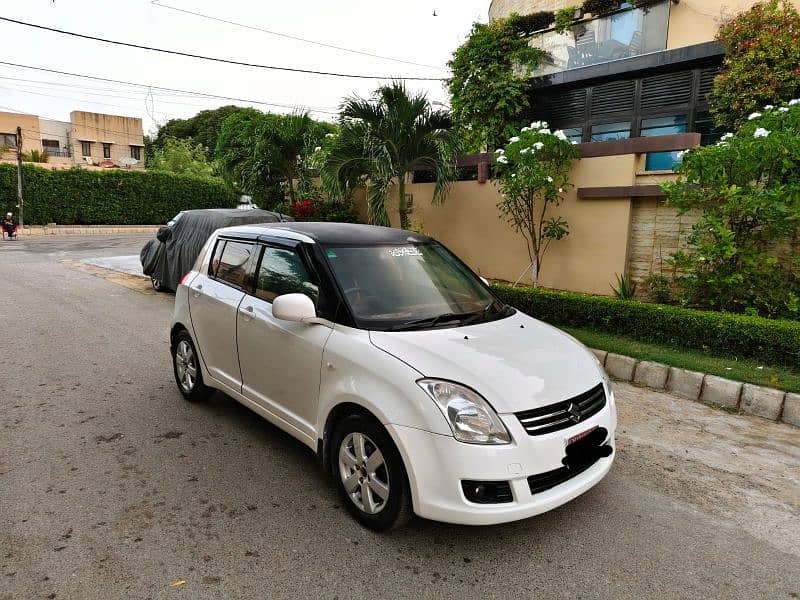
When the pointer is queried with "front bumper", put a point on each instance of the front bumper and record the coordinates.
(437, 464)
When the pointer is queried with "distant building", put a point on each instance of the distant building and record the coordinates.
(88, 139)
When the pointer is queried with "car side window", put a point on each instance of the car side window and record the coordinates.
(282, 272)
(230, 263)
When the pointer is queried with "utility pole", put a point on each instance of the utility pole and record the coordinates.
(20, 199)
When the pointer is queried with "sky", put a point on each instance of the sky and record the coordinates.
(405, 31)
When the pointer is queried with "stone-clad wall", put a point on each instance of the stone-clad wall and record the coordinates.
(657, 232)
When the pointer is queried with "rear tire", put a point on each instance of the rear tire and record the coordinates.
(369, 474)
(157, 285)
(186, 367)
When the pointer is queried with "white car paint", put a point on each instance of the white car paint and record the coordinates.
(295, 374)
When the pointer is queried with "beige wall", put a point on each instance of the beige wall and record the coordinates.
(31, 138)
(469, 223)
(97, 128)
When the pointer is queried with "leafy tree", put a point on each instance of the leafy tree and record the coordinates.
(489, 88)
(383, 138)
(181, 156)
(532, 173)
(266, 154)
(745, 255)
(762, 61)
(203, 128)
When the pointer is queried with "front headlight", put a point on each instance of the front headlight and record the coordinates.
(471, 418)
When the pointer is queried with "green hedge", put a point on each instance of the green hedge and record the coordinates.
(773, 341)
(113, 197)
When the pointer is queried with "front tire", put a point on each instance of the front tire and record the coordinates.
(157, 284)
(369, 474)
(186, 367)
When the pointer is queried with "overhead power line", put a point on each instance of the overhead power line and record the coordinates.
(291, 37)
(213, 58)
(167, 89)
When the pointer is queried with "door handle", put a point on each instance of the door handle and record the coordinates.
(246, 312)
(196, 290)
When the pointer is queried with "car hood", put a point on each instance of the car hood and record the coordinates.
(516, 363)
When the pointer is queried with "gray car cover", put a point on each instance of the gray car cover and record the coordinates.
(171, 255)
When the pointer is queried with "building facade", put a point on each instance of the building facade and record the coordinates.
(632, 89)
(90, 140)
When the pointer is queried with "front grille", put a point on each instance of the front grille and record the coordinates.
(545, 481)
(561, 415)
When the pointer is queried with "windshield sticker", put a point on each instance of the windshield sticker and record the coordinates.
(408, 251)
(332, 254)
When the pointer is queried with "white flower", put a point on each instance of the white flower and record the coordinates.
(561, 135)
(760, 133)
(725, 137)
(753, 116)
(499, 151)
(768, 107)
(545, 131)
(328, 135)
(524, 151)
(544, 123)
(574, 143)
(539, 145)
(513, 175)
(514, 139)
(793, 102)
(560, 190)
(549, 179)
(524, 129)
(682, 153)
(318, 148)
(502, 160)
(536, 125)
(783, 109)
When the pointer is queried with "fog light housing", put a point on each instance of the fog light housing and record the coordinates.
(487, 492)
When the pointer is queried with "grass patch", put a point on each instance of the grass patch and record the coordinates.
(740, 369)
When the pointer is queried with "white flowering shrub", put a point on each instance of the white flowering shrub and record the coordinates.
(744, 253)
(532, 172)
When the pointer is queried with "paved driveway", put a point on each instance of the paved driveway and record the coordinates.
(111, 486)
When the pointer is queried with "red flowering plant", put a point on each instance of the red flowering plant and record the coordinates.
(303, 210)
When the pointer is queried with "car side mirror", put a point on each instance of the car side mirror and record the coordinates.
(163, 234)
(294, 307)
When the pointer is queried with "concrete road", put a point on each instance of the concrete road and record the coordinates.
(111, 486)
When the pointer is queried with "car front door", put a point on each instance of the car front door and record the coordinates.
(281, 360)
(214, 299)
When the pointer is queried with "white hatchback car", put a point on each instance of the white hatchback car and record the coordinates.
(417, 388)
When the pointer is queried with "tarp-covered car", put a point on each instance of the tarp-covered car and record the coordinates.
(171, 255)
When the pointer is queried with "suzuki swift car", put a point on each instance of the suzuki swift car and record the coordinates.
(419, 390)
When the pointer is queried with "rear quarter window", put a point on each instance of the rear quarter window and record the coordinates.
(231, 263)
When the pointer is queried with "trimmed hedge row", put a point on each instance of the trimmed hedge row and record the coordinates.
(775, 342)
(113, 197)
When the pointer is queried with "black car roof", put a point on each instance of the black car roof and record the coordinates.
(350, 234)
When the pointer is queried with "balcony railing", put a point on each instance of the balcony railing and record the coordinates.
(60, 152)
(623, 35)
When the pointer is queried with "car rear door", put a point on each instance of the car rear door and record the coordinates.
(214, 298)
(281, 360)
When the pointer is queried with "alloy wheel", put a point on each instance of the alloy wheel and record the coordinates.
(186, 365)
(363, 472)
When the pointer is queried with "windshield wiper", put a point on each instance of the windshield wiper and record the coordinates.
(433, 321)
(484, 312)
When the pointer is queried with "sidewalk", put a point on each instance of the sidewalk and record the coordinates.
(38, 230)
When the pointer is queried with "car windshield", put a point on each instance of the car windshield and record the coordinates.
(417, 286)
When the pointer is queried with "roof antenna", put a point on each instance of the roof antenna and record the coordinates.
(434, 13)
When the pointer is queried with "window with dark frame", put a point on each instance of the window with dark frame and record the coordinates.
(136, 152)
(86, 148)
(8, 139)
(663, 161)
(231, 261)
(50, 144)
(106, 150)
(282, 271)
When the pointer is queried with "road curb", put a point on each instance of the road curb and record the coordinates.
(60, 230)
(746, 398)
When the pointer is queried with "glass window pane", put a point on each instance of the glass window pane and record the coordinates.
(232, 264)
(661, 161)
(611, 131)
(664, 126)
(282, 272)
(574, 134)
(8, 139)
(708, 130)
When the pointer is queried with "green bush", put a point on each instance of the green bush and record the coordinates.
(114, 197)
(773, 341)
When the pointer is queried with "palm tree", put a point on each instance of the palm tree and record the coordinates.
(381, 139)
